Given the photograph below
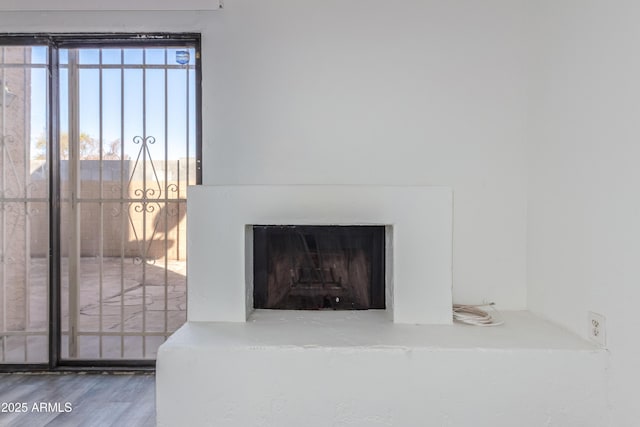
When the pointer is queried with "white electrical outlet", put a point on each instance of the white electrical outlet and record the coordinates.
(597, 331)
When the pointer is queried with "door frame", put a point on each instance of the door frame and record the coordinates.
(55, 42)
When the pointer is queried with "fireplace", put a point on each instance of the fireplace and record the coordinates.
(416, 263)
(302, 267)
(309, 247)
(325, 367)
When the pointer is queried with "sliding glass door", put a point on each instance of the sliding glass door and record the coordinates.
(124, 150)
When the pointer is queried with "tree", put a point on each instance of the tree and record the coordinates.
(89, 148)
(112, 151)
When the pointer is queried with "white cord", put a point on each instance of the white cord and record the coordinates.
(473, 315)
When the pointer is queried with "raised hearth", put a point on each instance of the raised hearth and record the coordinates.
(231, 365)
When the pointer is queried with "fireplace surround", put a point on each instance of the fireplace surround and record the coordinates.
(417, 223)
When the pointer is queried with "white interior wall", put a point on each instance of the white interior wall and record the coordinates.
(584, 204)
(372, 92)
(365, 91)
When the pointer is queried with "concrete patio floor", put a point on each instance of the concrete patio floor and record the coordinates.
(131, 299)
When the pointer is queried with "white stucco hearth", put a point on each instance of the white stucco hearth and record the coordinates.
(358, 369)
(230, 365)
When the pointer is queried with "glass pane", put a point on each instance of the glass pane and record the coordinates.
(24, 225)
(89, 144)
(15, 55)
(63, 56)
(39, 54)
(125, 275)
(112, 56)
(89, 56)
(154, 56)
(113, 162)
(133, 56)
(133, 108)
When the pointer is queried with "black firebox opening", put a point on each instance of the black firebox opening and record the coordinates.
(318, 267)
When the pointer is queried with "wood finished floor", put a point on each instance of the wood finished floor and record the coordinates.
(123, 400)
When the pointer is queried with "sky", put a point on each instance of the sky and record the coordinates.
(132, 124)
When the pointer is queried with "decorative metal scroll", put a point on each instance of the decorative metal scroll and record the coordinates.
(149, 198)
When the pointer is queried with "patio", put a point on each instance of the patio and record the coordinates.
(122, 306)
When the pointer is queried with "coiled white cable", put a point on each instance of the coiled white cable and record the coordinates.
(473, 315)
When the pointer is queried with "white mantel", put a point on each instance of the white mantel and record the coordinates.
(418, 248)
